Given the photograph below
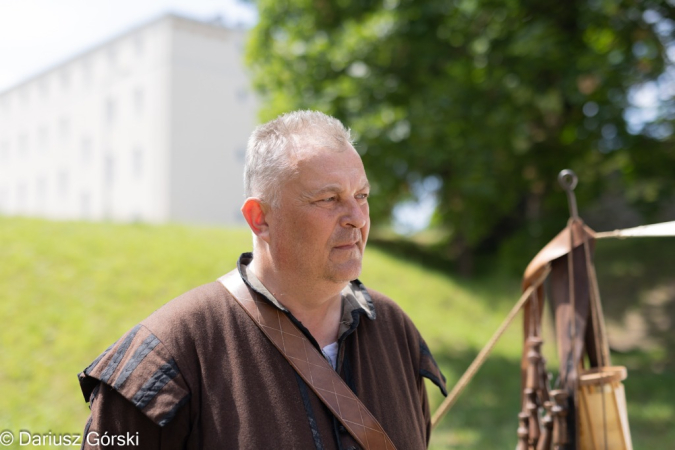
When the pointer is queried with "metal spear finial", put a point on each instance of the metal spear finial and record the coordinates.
(568, 181)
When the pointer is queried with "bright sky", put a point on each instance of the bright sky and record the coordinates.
(37, 34)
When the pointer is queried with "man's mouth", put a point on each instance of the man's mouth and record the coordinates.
(348, 246)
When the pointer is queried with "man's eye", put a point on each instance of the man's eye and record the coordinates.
(362, 196)
(328, 199)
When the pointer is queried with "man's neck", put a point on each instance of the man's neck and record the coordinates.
(318, 305)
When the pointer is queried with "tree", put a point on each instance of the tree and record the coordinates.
(491, 97)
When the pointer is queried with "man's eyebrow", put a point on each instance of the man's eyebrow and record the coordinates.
(317, 192)
(331, 188)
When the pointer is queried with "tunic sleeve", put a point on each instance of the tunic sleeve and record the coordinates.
(115, 423)
(140, 371)
(429, 369)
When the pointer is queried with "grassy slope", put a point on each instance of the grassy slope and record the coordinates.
(68, 290)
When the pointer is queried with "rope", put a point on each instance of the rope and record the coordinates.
(664, 229)
(485, 352)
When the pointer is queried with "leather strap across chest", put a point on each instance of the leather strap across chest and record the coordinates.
(312, 367)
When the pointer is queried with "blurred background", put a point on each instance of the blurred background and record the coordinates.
(123, 127)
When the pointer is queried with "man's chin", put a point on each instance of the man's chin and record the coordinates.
(345, 272)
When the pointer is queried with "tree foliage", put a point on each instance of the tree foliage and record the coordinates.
(491, 97)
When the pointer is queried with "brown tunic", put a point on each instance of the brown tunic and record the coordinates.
(199, 374)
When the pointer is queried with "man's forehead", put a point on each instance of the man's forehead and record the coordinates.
(313, 156)
(325, 169)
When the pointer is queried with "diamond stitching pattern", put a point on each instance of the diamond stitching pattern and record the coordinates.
(311, 366)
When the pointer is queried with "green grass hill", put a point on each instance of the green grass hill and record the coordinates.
(70, 289)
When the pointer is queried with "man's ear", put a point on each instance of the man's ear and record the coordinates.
(255, 213)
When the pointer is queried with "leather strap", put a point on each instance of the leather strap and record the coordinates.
(569, 241)
(314, 369)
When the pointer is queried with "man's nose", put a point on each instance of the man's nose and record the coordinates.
(356, 215)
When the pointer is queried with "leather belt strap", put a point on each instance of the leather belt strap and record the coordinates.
(314, 369)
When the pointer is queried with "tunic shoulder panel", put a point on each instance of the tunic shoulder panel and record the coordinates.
(147, 365)
(142, 370)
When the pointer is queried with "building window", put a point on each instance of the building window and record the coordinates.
(4, 200)
(85, 205)
(109, 170)
(112, 56)
(138, 44)
(41, 191)
(7, 103)
(23, 145)
(64, 129)
(21, 197)
(110, 111)
(65, 78)
(23, 95)
(138, 100)
(86, 151)
(63, 183)
(86, 70)
(44, 87)
(4, 152)
(43, 139)
(137, 163)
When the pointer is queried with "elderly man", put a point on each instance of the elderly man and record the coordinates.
(289, 350)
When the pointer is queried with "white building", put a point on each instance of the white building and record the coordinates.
(150, 126)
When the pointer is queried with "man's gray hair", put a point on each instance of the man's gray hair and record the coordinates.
(269, 150)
